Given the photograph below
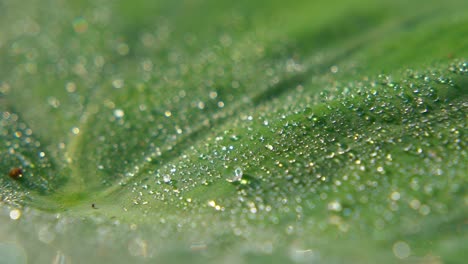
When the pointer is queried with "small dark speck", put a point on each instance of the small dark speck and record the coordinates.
(16, 173)
(94, 206)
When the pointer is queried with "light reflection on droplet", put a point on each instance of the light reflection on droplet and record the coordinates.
(118, 83)
(119, 113)
(334, 69)
(15, 214)
(238, 173)
(395, 196)
(167, 178)
(75, 130)
(334, 206)
(123, 49)
(401, 250)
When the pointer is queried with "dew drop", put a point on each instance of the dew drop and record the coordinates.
(401, 250)
(395, 196)
(237, 175)
(334, 206)
(415, 204)
(75, 131)
(118, 83)
(334, 69)
(53, 102)
(167, 178)
(119, 113)
(123, 49)
(424, 210)
(15, 214)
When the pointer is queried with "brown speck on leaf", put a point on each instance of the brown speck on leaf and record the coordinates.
(94, 206)
(16, 173)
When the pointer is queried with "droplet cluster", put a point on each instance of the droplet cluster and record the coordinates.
(157, 141)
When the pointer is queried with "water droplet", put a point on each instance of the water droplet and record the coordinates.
(395, 196)
(15, 214)
(415, 204)
(201, 105)
(424, 210)
(401, 250)
(334, 206)
(166, 178)
(123, 49)
(119, 113)
(334, 69)
(237, 175)
(53, 102)
(118, 83)
(75, 130)
(213, 95)
(268, 146)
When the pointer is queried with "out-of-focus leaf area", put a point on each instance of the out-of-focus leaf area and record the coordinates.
(205, 131)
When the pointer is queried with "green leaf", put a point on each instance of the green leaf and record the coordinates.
(252, 131)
